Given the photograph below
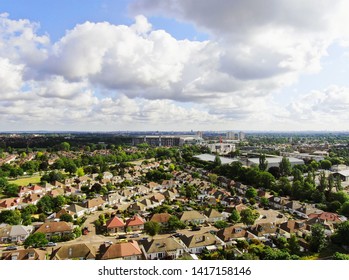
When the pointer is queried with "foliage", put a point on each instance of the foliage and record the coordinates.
(152, 228)
(248, 216)
(317, 238)
(37, 239)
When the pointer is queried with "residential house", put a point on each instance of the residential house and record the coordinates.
(264, 229)
(114, 198)
(163, 248)
(169, 195)
(121, 251)
(193, 217)
(93, 204)
(326, 216)
(141, 190)
(115, 224)
(158, 198)
(198, 242)
(136, 223)
(161, 218)
(25, 254)
(137, 207)
(80, 251)
(213, 215)
(232, 233)
(9, 203)
(55, 229)
(76, 210)
(278, 202)
(19, 233)
(292, 227)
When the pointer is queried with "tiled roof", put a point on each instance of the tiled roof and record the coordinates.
(121, 250)
(52, 227)
(160, 217)
(115, 222)
(74, 251)
(135, 221)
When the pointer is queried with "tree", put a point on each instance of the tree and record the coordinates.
(12, 217)
(45, 204)
(263, 163)
(37, 239)
(341, 234)
(174, 223)
(325, 164)
(80, 172)
(217, 161)
(248, 216)
(65, 146)
(317, 238)
(251, 192)
(234, 216)
(66, 218)
(152, 228)
(285, 167)
(293, 245)
(221, 224)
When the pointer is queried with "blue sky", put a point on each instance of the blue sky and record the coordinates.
(173, 65)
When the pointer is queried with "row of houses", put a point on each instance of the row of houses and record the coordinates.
(149, 249)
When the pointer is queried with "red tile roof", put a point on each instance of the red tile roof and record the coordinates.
(135, 221)
(115, 222)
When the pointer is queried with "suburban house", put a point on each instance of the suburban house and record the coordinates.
(264, 229)
(192, 217)
(76, 210)
(231, 233)
(161, 218)
(198, 242)
(121, 251)
(213, 215)
(55, 229)
(115, 224)
(74, 252)
(164, 248)
(9, 203)
(93, 204)
(136, 223)
(26, 254)
(292, 227)
(15, 233)
(326, 216)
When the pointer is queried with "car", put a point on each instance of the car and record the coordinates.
(135, 235)
(177, 234)
(51, 244)
(10, 248)
(196, 228)
(122, 236)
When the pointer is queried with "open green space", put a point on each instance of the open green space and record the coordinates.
(26, 181)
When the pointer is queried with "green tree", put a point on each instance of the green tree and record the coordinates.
(80, 172)
(293, 245)
(234, 216)
(45, 204)
(263, 163)
(341, 234)
(317, 238)
(251, 192)
(248, 216)
(285, 167)
(325, 164)
(66, 218)
(37, 239)
(152, 228)
(65, 146)
(12, 217)
(174, 223)
(221, 224)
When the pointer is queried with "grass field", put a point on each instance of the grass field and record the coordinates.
(26, 181)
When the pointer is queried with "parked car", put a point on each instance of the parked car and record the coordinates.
(177, 234)
(122, 236)
(10, 248)
(51, 244)
(135, 235)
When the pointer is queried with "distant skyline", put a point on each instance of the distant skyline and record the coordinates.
(175, 65)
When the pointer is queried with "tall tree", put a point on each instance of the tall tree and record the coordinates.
(263, 163)
(285, 167)
(248, 216)
(317, 238)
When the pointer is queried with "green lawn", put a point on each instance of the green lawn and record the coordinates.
(26, 181)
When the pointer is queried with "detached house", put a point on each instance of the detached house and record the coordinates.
(55, 229)
(161, 218)
(121, 251)
(115, 225)
(74, 252)
(26, 254)
(164, 248)
(213, 215)
(93, 204)
(192, 217)
(198, 242)
(136, 223)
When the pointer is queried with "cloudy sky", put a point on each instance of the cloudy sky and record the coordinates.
(174, 65)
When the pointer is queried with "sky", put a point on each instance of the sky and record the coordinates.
(175, 65)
